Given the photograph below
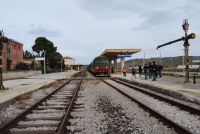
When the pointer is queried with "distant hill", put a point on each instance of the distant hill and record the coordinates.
(165, 61)
(171, 62)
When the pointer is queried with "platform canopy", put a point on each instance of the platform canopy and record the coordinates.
(112, 53)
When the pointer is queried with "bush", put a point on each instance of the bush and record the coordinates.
(22, 66)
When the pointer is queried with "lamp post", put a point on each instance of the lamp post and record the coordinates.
(61, 64)
(44, 64)
(186, 48)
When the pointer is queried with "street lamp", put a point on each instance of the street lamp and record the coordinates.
(44, 63)
(186, 48)
(61, 64)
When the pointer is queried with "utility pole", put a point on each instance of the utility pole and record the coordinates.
(2, 40)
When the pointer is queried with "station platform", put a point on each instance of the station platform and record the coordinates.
(16, 87)
(169, 85)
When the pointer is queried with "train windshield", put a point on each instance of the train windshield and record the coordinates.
(97, 61)
(101, 61)
(105, 61)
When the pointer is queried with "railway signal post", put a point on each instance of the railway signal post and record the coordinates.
(186, 47)
(2, 40)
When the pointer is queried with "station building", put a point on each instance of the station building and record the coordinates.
(70, 63)
(12, 52)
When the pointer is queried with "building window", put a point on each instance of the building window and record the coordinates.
(14, 46)
(19, 48)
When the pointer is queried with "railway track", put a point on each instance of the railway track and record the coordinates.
(97, 108)
(49, 115)
(178, 128)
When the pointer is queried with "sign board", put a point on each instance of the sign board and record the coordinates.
(41, 58)
(123, 55)
(195, 60)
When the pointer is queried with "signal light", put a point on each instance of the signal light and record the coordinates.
(190, 36)
(4, 39)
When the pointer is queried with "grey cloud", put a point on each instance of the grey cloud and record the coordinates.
(155, 19)
(109, 9)
(1, 18)
(32, 25)
(43, 31)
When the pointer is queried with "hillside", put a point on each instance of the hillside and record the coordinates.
(165, 61)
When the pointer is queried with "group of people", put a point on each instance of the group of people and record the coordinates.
(152, 70)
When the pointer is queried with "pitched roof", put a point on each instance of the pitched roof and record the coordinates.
(67, 57)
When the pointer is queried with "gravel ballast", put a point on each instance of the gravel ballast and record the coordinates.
(107, 111)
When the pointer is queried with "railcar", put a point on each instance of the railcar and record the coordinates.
(100, 66)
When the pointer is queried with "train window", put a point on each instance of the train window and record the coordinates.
(105, 61)
(97, 61)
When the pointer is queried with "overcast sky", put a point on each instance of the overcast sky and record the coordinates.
(83, 29)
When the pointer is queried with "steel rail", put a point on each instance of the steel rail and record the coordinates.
(5, 128)
(180, 105)
(179, 129)
(65, 119)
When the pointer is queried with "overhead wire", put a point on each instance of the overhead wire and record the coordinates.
(193, 15)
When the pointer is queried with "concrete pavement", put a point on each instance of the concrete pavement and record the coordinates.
(20, 86)
(173, 86)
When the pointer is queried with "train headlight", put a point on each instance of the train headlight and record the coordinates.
(97, 67)
(106, 67)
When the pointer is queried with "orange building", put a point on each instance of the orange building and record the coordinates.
(12, 50)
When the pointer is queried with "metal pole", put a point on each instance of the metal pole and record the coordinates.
(35, 65)
(186, 48)
(160, 57)
(144, 59)
(61, 64)
(183, 60)
(44, 64)
(1, 70)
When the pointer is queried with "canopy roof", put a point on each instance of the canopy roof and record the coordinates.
(112, 53)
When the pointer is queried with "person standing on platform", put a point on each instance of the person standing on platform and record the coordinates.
(145, 68)
(150, 70)
(112, 70)
(154, 70)
(124, 71)
(133, 71)
(140, 70)
(157, 70)
(160, 68)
